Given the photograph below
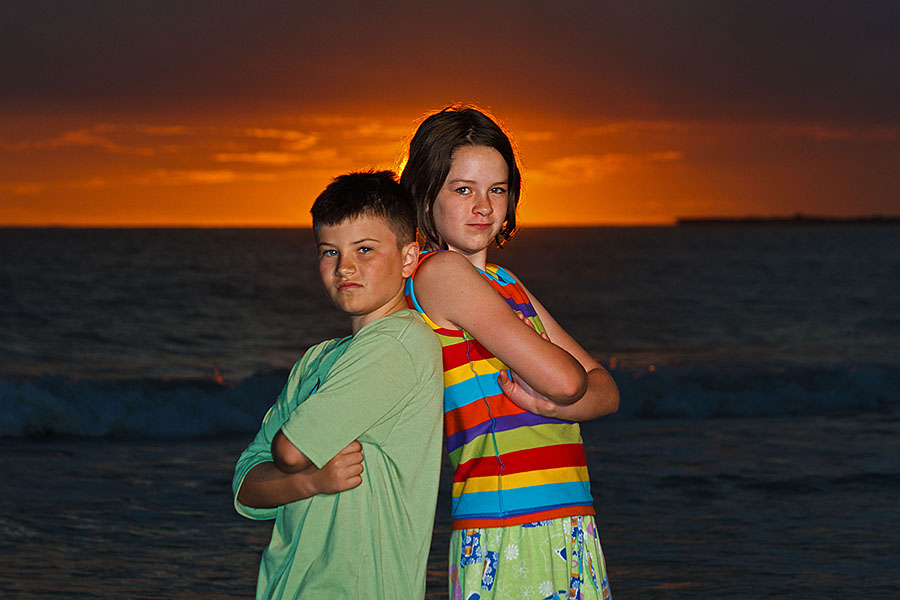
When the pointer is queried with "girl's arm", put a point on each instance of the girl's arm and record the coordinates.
(455, 295)
(601, 396)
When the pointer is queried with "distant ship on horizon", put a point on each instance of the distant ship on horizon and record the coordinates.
(795, 219)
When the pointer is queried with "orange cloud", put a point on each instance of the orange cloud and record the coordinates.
(23, 188)
(822, 132)
(259, 158)
(632, 128)
(535, 136)
(84, 138)
(588, 168)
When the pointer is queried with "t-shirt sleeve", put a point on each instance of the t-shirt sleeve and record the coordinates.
(374, 375)
(260, 449)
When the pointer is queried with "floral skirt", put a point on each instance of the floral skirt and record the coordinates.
(545, 560)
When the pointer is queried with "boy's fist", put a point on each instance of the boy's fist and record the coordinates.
(343, 472)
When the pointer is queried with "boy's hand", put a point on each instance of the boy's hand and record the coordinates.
(343, 472)
(523, 396)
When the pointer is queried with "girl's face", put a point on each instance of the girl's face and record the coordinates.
(470, 207)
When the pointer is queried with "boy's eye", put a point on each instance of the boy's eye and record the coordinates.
(365, 249)
(329, 253)
(462, 190)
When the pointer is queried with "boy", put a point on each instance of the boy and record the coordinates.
(343, 530)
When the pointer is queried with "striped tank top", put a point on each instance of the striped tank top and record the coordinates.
(511, 467)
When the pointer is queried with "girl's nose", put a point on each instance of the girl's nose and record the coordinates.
(482, 205)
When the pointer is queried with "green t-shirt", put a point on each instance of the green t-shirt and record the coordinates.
(384, 390)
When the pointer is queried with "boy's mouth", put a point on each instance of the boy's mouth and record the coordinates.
(348, 285)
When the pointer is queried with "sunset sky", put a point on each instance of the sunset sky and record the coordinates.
(239, 113)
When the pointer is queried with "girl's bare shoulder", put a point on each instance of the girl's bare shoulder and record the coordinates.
(443, 267)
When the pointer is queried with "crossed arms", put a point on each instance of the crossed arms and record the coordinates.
(291, 476)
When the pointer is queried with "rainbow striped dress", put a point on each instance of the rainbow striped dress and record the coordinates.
(511, 467)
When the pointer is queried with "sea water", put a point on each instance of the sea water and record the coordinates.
(754, 453)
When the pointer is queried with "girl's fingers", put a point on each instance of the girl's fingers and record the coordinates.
(530, 324)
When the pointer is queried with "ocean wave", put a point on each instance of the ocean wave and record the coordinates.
(705, 393)
(185, 409)
(60, 406)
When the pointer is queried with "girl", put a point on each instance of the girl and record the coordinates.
(515, 383)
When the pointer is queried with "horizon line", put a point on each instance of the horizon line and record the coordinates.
(670, 223)
(673, 222)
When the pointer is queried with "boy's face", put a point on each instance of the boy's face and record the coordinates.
(362, 268)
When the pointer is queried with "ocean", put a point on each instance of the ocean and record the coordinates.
(754, 454)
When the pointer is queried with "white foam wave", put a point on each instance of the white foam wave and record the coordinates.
(58, 406)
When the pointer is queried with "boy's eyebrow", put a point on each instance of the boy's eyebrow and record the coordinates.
(367, 239)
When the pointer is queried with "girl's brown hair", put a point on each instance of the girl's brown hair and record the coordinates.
(431, 151)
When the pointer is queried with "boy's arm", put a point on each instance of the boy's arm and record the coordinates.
(260, 449)
(287, 457)
(363, 387)
(267, 486)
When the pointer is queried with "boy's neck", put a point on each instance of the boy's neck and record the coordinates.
(397, 303)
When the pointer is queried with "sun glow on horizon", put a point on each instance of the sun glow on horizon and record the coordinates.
(266, 171)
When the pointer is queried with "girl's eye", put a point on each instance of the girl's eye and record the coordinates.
(498, 190)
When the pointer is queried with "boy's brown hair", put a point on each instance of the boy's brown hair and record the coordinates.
(374, 193)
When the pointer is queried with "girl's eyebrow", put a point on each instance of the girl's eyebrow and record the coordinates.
(461, 180)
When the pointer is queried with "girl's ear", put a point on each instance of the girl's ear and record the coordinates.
(409, 254)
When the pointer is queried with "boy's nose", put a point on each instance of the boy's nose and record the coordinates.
(345, 265)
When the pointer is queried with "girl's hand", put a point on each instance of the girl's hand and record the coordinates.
(523, 396)
(341, 473)
(530, 324)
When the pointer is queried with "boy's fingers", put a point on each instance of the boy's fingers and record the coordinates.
(353, 447)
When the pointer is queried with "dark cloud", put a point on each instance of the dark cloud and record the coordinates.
(831, 61)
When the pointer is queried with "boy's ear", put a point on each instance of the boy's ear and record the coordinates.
(409, 254)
